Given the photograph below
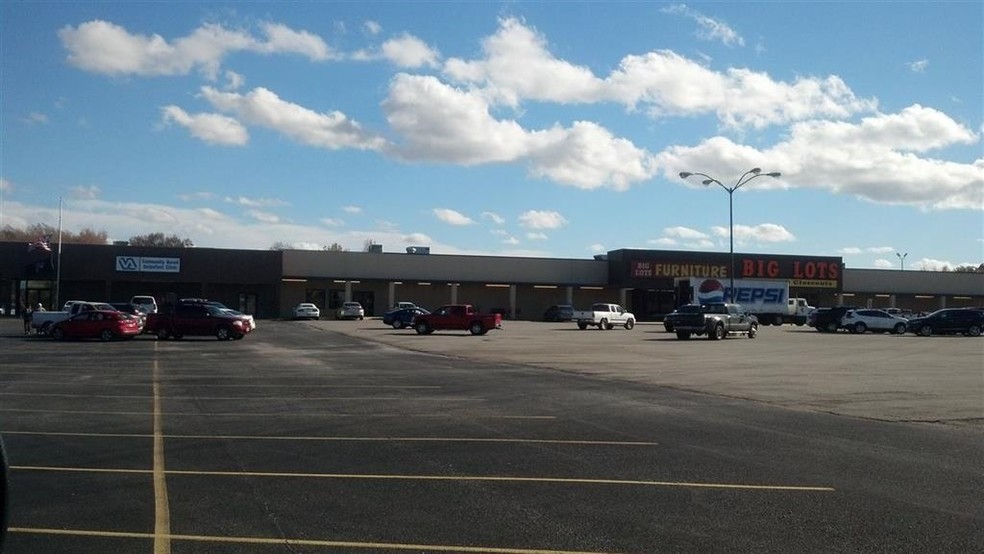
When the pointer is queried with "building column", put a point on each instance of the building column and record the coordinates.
(454, 293)
(891, 301)
(570, 295)
(512, 302)
(348, 291)
(622, 295)
(392, 294)
(942, 301)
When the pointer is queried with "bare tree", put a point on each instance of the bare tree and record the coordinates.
(334, 247)
(37, 230)
(158, 239)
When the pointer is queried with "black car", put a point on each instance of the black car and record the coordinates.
(949, 321)
(561, 312)
(828, 320)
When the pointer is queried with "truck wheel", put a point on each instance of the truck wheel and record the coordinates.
(753, 330)
(476, 328)
(717, 333)
(683, 335)
(223, 333)
(831, 327)
(106, 334)
(162, 333)
(900, 329)
(603, 324)
(582, 326)
(58, 333)
(629, 323)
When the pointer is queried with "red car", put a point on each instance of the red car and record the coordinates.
(99, 324)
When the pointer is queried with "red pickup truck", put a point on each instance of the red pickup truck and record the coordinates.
(456, 317)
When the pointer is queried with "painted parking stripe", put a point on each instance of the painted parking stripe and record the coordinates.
(300, 542)
(203, 385)
(268, 414)
(237, 398)
(162, 509)
(343, 439)
(485, 478)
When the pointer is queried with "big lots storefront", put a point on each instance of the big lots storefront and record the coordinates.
(659, 280)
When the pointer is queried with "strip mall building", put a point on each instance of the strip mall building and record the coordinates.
(268, 283)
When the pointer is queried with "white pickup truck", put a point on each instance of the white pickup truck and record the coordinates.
(41, 322)
(604, 316)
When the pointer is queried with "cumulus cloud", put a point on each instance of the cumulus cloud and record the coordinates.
(35, 118)
(537, 219)
(373, 28)
(265, 217)
(208, 127)
(352, 209)
(452, 217)
(684, 233)
(409, 51)
(919, 66)
(765, 232)
(104, 47)
(84, 192)
(262, 107)
(852, 158)
(494, 217)
(254, 202)
(536, 236)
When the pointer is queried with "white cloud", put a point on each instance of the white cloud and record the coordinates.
(409, 51)
(35, 118)
(929, 264)
(684, 233)
(517, 66)
(373, 28)
(851, 158)
(234, 81)
(512, 241)
(536, 219)
(597, 248)
(254, 202)
(104, 47)
(765, 232)
(494, 217)
(196, 196)
(6, 185)
(208, 127)
(352, 209)
(919, 66)
(850, 251)
(83, 192)
(332, 221)
(881, 249)
(265, 217)
(536, 236)
(452, 217)
(262, 107)
(708, 28)
(882, 263)
(663, 242)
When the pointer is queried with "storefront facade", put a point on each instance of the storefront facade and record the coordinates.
(267, 284)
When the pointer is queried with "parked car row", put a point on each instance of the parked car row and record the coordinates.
(947, 321)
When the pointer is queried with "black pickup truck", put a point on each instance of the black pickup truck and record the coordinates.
(717, 320)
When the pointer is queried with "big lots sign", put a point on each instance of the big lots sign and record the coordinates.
(665, 266)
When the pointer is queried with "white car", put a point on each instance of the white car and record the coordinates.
(306, 310)
(859, 321)
(350, 310)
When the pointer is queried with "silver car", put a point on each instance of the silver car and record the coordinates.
(350, 310)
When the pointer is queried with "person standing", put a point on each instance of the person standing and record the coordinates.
(26, 315)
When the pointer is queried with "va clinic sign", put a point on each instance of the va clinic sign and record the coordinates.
(146, 264)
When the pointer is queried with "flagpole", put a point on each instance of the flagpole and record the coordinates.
(57, 305)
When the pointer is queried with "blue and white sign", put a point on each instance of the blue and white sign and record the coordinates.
(146, 264)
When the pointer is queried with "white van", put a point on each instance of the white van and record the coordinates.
(145, 303)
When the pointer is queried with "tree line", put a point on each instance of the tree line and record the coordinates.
(87, 235)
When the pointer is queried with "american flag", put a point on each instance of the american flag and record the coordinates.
(41, 243)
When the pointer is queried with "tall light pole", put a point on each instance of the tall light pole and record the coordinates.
(753, 173)
(902, 259)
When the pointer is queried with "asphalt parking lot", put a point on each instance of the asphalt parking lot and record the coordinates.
(878, 376)
(353, 437)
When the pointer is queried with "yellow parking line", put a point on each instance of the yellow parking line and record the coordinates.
(266, 415)
(302, 542)
(239, 398)
(162, 511)
(487, 478)
(251, 386)
(342, 439)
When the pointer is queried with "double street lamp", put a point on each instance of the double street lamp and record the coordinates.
(902, 259)
(749, 175)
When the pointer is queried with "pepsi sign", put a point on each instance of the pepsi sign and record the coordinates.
(710, 291)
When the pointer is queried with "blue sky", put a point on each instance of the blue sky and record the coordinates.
(546, 129)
